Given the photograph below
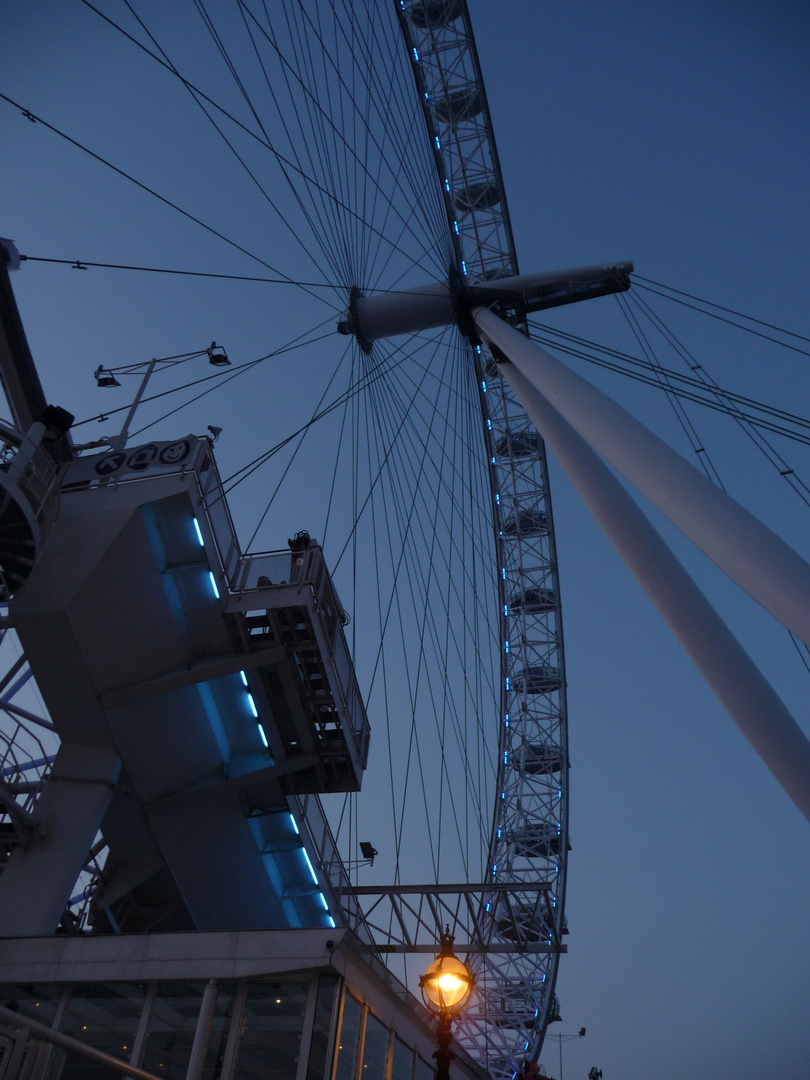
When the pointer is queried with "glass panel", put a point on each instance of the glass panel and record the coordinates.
(37, 1001)
(375, 1050)
(321, 1028)
(272, 1026)
(219, 1031)
(105, 1017)
(401, 1061)
(424, 1071)
(171, 1029)
(349, 1039)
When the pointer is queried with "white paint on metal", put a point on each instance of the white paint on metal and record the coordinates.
(37, 881)
(743, 547)
(428, 306)
(734, 678)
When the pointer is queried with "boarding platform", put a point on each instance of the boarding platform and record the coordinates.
(201, 697)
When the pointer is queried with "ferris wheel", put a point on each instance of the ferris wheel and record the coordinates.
(363, 144)
(318, 162)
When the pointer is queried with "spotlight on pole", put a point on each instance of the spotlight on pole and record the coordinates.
(217, 355)
(104, 377)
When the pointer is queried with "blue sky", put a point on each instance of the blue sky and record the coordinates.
(674, 135)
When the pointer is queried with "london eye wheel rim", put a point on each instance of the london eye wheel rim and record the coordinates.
(439, 38)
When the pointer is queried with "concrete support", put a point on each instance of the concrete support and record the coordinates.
(754, 557)
(739, 685)
(37, 882)
(28, 447)
(202, 1034)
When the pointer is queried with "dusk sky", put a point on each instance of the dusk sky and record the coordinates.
(675, 135)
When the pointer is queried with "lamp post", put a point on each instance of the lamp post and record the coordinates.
(564, 1038)
(446, 987)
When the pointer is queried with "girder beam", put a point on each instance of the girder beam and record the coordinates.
(521, 917)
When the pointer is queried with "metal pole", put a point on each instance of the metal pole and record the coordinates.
(747, 551)
(202, 1034)
(559, 1043)
(120, 440)
(444, 1055)
(741, 688)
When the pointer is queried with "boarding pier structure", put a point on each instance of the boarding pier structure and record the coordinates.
(172, 900)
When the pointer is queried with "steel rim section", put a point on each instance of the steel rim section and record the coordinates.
(530, 826)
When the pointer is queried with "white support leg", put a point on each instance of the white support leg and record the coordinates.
(36, 884)
(736, 681)
(754, 557)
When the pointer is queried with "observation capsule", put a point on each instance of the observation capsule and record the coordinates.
(527, 523)
(542, 759)
(518, 443)
(458, 105)
(532, 600)
(540, 679)
(528, 925)
(481, 196)
(433, 14)
(538, 840)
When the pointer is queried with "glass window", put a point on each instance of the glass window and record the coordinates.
(321, 1028)
(424, 1071)
(272, 1026)
(375, 1050)
(37, 1001)
(105, 1016)
(171, 1029)
(401, 1061)
(349, 1040)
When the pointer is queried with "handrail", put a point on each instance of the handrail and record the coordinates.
(21, 1023)
(325, 848)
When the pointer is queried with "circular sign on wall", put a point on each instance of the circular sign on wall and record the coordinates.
(175, 452)
(142, 458)
(110, 463)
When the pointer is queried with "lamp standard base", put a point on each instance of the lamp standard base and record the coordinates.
(444, 1055)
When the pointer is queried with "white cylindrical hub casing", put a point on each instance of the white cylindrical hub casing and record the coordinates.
(425, 307)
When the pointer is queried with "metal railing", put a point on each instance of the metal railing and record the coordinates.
(22, 1040)
(324, 847)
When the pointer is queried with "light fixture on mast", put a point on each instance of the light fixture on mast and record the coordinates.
(106, 377)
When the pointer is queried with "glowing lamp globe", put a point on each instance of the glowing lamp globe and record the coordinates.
(447, 984)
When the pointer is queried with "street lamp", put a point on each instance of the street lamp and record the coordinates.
(446, 987)
(555, 1009)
